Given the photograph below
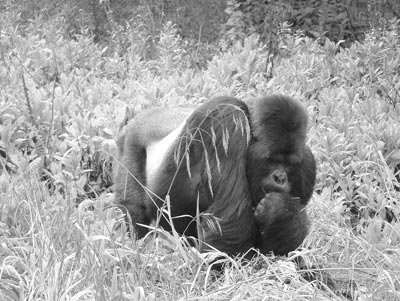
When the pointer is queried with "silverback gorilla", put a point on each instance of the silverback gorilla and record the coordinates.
(222, 160)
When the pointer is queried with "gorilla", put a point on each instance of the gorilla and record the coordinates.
(235, 175)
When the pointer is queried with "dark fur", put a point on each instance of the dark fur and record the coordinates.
(212, 165)
(207, 165)
(132, 144)
(281, 215)
(279, 126)
(270, 175)
(283, 223)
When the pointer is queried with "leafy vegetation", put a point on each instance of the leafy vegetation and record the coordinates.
(63, 98)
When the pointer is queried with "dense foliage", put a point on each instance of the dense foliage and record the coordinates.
(336, 20)
(64, 91)
(209, 20)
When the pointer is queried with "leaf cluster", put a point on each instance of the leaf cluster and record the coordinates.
(62, 101)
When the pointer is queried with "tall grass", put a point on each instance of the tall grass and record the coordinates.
(51, 249)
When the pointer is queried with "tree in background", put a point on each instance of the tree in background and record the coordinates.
(209, 20)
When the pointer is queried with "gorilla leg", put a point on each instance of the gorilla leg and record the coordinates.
(129, 192)
(130, 178)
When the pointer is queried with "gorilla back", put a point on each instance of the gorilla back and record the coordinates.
(196, 160)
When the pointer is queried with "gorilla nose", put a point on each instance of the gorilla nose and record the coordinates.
(279, 177)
